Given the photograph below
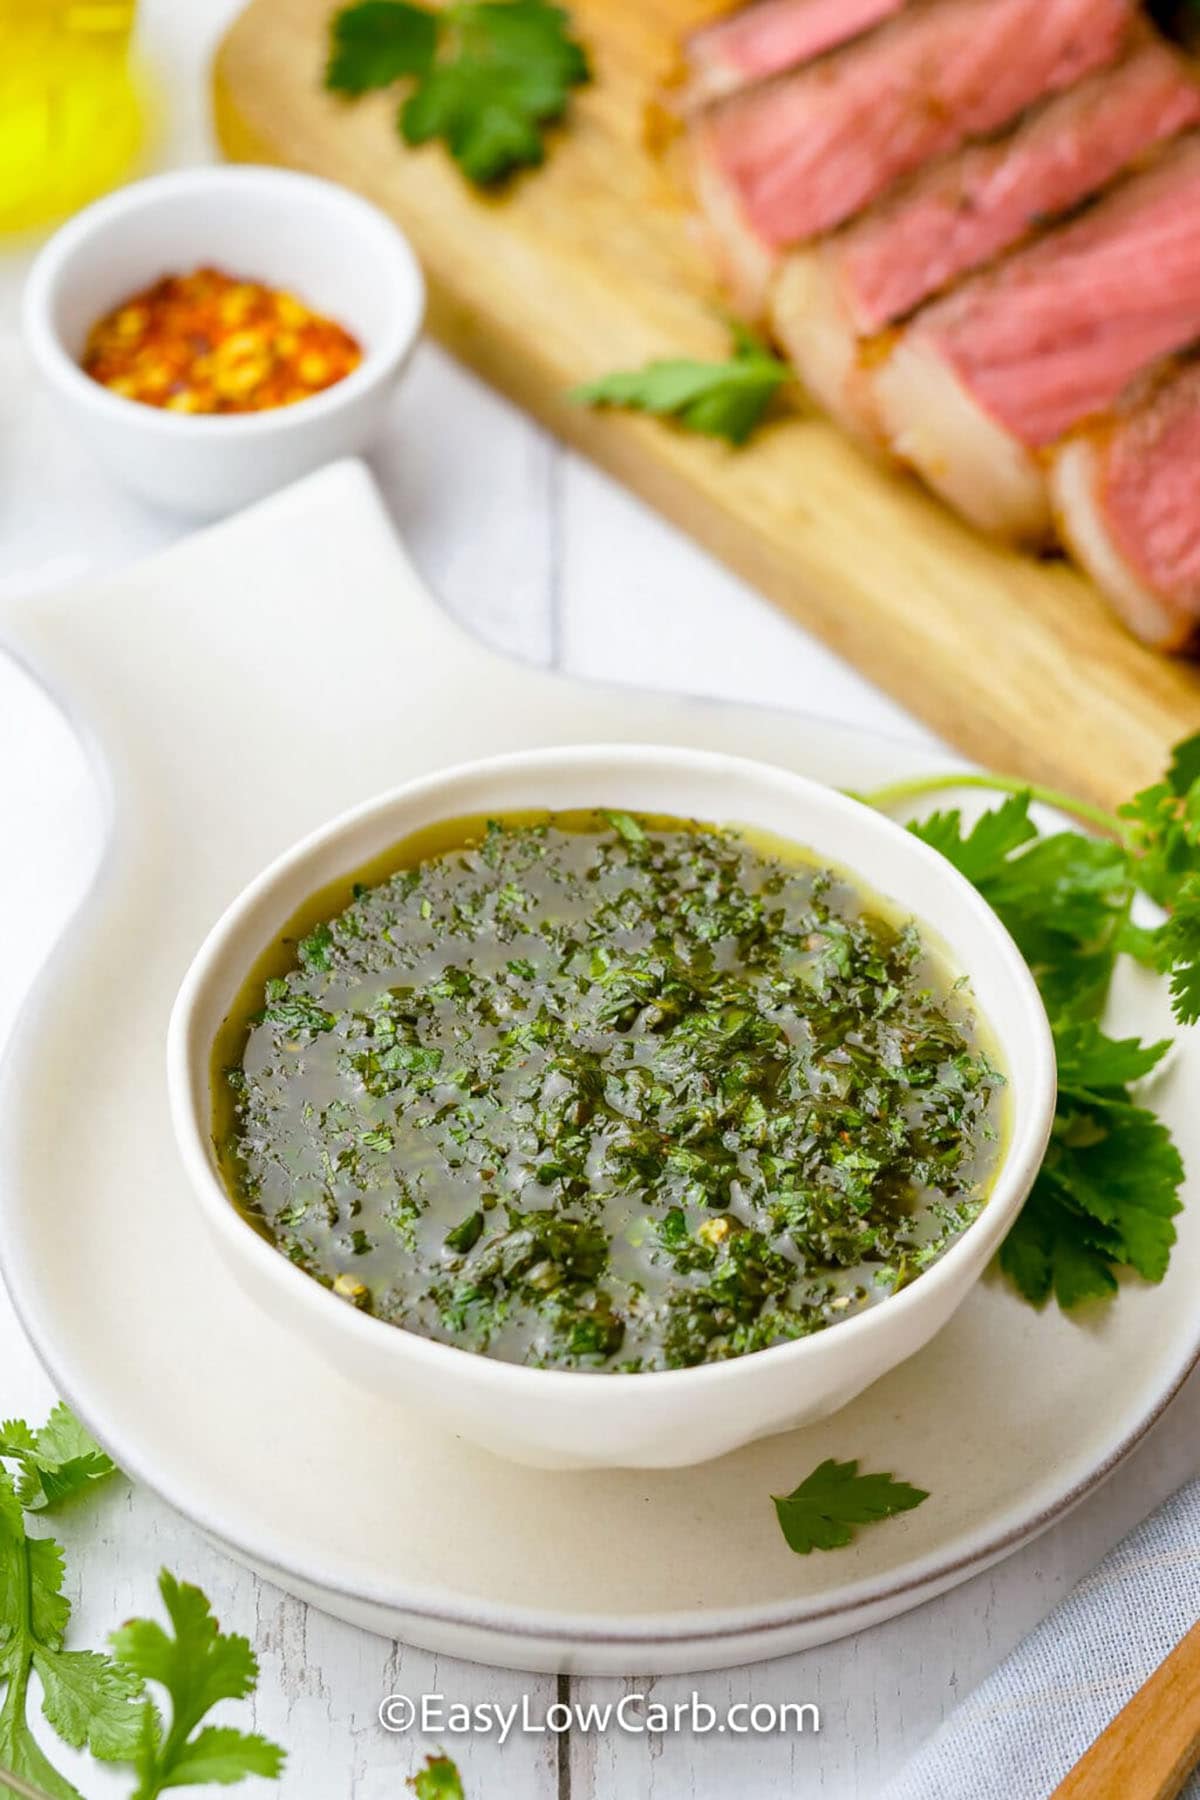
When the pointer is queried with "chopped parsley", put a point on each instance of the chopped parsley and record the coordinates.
(602, 1091)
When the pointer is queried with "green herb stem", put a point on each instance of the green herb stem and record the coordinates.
(25, 1790)
(916, 787)
(12, 1713)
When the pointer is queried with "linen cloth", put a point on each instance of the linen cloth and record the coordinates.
(1021, 1730)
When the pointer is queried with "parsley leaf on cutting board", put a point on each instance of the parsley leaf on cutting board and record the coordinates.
(718, 399)
(825, 1511)
(490, 75)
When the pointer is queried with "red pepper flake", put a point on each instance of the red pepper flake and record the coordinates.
(213, 343)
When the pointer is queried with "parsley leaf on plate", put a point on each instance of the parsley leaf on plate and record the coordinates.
(1088, 1060)
(1064, 898)
(438, 1780)
(1106, 1195)
(89, 1700)
(1177, 950)
(1161, 825)
(490, 75)
(1108, 1190)
(980, 852)
(198, 1666)
(824, 1511)
(718, 399)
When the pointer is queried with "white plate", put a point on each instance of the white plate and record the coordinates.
(241, 689)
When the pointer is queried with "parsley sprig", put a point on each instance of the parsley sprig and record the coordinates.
(490, 75)
(717, 399)
(198, 1666)
(1109, 1187)
(88, 1699)
(95, 1701)
(825, 1511)
(438, 1780)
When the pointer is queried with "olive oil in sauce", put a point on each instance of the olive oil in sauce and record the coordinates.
(597, 1091)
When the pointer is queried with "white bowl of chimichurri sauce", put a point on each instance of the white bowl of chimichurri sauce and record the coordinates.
(618, 1105)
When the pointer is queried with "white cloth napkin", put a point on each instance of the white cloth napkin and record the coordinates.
(1022, 1729)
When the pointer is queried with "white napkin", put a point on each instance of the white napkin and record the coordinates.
(1018, 1734)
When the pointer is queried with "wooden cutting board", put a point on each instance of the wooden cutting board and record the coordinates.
(592, 263)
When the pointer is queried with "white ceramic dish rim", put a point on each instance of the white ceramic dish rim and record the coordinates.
(293, 189)
(338, 1575)
(1020, 1159)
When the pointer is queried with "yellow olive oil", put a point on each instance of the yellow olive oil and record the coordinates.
(72, 111)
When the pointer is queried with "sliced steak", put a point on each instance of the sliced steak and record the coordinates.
(986, 379)
(788, 159)
(962, 211)
(768, 38)
(1126, 494)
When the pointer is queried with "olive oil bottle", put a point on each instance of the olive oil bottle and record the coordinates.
(72, 115)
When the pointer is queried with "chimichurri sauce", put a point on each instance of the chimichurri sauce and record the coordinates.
(606, 1092)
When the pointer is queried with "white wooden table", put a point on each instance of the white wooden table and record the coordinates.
(544, 557)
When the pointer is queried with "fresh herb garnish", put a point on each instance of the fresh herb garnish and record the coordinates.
(825, 1511)
(1109, 1187)
(198, 1666)
(618, 1091)
(438, 1780)
(718, 399)
(91, 1700)
(490, 75)
(55, 1463)
(86, 1697)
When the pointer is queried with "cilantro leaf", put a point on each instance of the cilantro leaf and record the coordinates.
(822, 1513)
(1183, 771)
(1109, 1186)
(485, 114)
(198, 1666)
(1108, 1190)
(1065, 899)
(1177, 950)
(56, 1463)
(718, 399)
(491, 74)
(87, 1698)
(438, 1780)
(980, 852)
(220, 1754)
(1087, 1059)
(1161, 825)
(1115, 1165)
(1045, 1253)
(377, 42)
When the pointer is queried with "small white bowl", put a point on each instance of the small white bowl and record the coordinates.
(334, 251)
(571, 1419)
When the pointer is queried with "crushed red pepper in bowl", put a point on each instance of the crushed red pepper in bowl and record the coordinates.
(209, 342)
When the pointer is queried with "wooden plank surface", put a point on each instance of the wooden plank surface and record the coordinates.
(592, 263)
